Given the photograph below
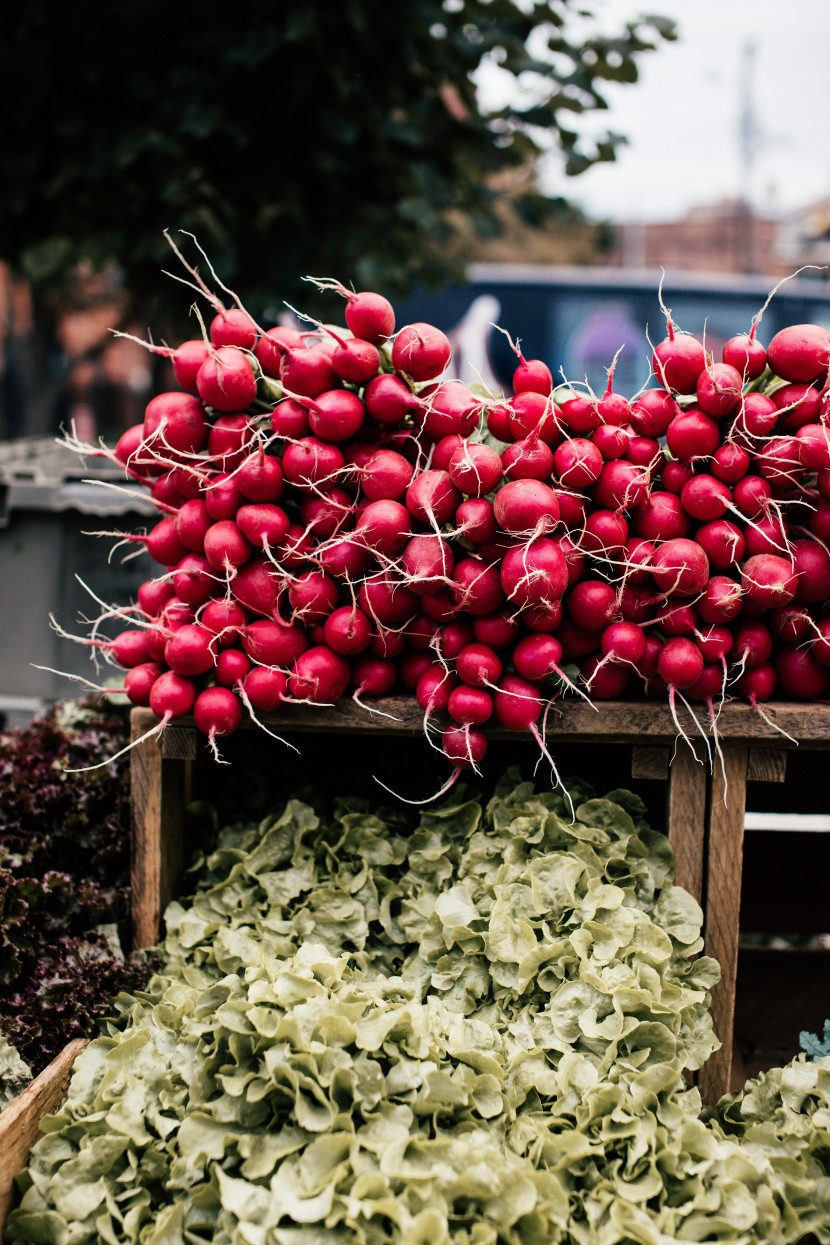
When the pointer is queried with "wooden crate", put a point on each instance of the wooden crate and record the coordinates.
(704, 816)
(20, 1121)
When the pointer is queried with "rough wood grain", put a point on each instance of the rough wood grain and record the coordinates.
(611, 722)
(686, 817)
(767, 765)
(650, 763)
(722, 907)
(157, 841)
(20, 1121)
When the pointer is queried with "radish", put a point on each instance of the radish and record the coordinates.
(313, 596)
(427, 563)
(730, 462)
(680, 663)
(448, 408)
(611, 440)
(652, 412)
(757, 416)
(388, 602)
(217, 712)
(172, 696)
(475, 469)
(389, 399)
(421, 350)
(386, 476)
(476, 520)
(526, 508)
(577, 463)
(721, 600)
(811, 562)
(604, 679)
(289, 420)
(386, 643)
(677, 618)
(678, 360)
(661, 517)
(537, 658)
(800, 352)
(323, 516)
(465, 748)
(746, 354)
(621, 485)
(443, 450)
(259, 477)
(798, 673)
(719, 389)
(497, 630)
(705, 498)
(319, 676)
(384, 527)
(798, 405)
(175, 423)
(194, 580)
(422, 634)
(264, 688)
(139, 682)
(263, 525)
(412, 665)
(470, 706)
(345, 558)
(434, 687)
(368, 315)
(580, 415)
(692, 435)
(623, 643)
(256, 585)
(432, 498)
(592, 604)
(526, 413)
(535, 574)
(188, 651)
(192, 523)
(272, 345)
(222, 496)
(225, 546)
(675, 474)
(233, 328)
(680, 568)
(753, 644)
(153, 595)
(187, 358)
(605, 534)
(336, 415)
(306, 371)
(528, 459)
(226, 380)
(477, 665)
(373, 676)
(532, 376)
(312, 461)
(230, 439)
(476, 587)
(769, 580)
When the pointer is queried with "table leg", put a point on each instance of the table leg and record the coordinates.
(688, 781)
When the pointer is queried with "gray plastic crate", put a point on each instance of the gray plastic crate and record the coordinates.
(47, 503)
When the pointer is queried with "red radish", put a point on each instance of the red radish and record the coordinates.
(355, 361)
(421, 350)
(757, 684)
(386, 643)
(800, 352)
(579, 415)
(708, 688)
(233, 328)
(464, 747)
(677, 619)
(543, 618)
(307, 371)
(434, 687)
(336, 415)
(577, 463)
(692, 435)
(476, 521)
(187, 359)
(289, 420)
(528, 459)
(517, 704)
(715, 642)
(231, 667)
(193, 580)
(264, 526)
(498, 630)
(153, 595)
(455, 636)
(730, 462)
(229, 440)
(537, 657)
(779, 462)
(476, 587)
(624, 642)
(680, 568)
(139, 681)
(746, 354)
(264, 688)
(636, 603)
(475, 469)
(163, 543)
(313, 596)
(449, 408)
(222, 497)
(751, 495)
(175, 423)
(605, 534)
(611, 441)
(678, 361)
(470, 706)
(638, 555)
(272, 345)
(644, 452)
(224, 619)
(368, 315)
(384, 527)
(443, 450)
(575, 642)
(388, 602)
(526, 507)
(192, 523)
(532, 376)
(605, 680)
(312, 461)
(427, 563)
(799, 675)
(530, 413)
(411, 667)
(680, 663)
(721, 600)
(705, 498)
(621, 485)
(172, 696)
(675, 474)
(758, 415)
(798, 405)
(226, 380)
(259, 477)
(324, 515)
(573, 509)
(753, 644)
(296, 549)
(165, 496)
(592, 604)
(386, 476)
(534, 574)
(256, 585)
(477, 665)
(719, 389)
(389, 399)
(319, 675)
(652, 412)
(722, 542)
(188, 651)
(345, 558)
(812, 566)
(272, 642)
(422, 633)
(373, 676)
(225, 546)
(767, 535)
(661, 517)
(432, 498)
(814, 446)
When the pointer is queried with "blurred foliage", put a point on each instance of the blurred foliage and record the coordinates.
(328, 139)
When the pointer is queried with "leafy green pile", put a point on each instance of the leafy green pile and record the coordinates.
(64, 880)
(474, 1030)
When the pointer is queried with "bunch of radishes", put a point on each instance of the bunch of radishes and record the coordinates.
(338, 520)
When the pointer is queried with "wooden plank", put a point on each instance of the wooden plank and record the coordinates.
(179, 743)
(650, 763)
(157, 841)
(609, 722)
(20, 1121)
(722, 908)
(767, 765)
(686, 816)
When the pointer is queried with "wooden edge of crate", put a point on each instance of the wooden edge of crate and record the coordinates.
(20, 1121)
(576, 721)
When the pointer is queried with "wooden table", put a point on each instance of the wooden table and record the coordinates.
(704, 808)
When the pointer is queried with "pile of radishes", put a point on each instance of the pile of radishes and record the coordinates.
(339, 520)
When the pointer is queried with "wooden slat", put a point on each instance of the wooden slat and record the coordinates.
(767, 765)
(650, 763)
(20, 1121)
(157, 841)
(688, 780)
(723, 901)
(179, 743)
(610, 722)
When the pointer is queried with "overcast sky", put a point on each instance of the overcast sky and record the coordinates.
(682, 117)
